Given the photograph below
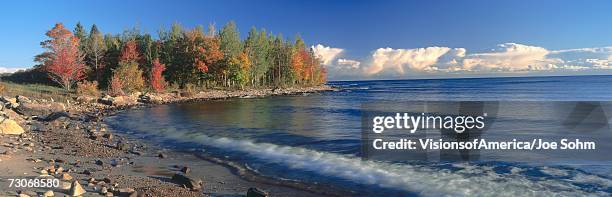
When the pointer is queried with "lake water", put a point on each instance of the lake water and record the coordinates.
(317, 137)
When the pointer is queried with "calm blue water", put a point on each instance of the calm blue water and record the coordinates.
(316, 137)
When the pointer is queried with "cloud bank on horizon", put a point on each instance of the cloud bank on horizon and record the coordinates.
(506, 59)
(9, 69)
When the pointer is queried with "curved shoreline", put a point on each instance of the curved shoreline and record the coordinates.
(80, 143)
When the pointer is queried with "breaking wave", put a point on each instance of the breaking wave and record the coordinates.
(462, 179)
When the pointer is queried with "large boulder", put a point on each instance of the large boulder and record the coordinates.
(8, 126)
(150, 98)
(10, 103)
(107, 100)
(39, 109)
(192, 183)
(118, 100)
(56, 115)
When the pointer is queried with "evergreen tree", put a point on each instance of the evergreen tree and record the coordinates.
(96, 50)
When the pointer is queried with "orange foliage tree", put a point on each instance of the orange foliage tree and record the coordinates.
(157, 80)
(128, 72)
(64, 62)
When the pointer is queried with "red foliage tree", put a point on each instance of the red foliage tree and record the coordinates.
(213, 51)
(116, 86)
(64, 63)
(157, 80)
(130, 52)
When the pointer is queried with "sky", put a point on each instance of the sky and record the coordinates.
(360, 39)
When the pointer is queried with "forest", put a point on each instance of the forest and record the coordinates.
(180, 58)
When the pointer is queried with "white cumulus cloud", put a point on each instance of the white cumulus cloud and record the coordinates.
(511, 57)
(506, 58)
(349, 64)
(9, 69)
(326, 54)
(420, 59)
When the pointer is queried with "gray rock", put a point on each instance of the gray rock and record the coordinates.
(162, 155)
(192, 183)
(56, 115)
(185, 170)
(256, 192)
(123, 146)
(36, 109)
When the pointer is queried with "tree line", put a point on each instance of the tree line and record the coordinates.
(179, 57)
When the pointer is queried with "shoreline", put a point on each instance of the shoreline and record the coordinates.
(81, 144)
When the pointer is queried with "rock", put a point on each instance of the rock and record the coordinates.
(49, 194)
(107, 100)
(76, 189)
(36, 109)
(123, 146)
(11, 103)
(28, 193)
(185, 170)
(22, 99)
(65, 185)
(10, 114)
(103, 190)
(186, 94)
(108, 136)
(38, 126)
(127, 192)
(56, 115)
(99, 162)
(51, 169)
(86, 99)
(192, 183)
(256, 192)
(59, 170)
(86, 172)
(149, 98)
(118, 100)
(162, 155)
(66, 177)
(106, 180)
(10, 127)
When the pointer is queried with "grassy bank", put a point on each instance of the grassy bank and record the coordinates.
(35, 91)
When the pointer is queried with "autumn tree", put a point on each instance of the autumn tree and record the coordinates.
(128, 73)
(299, 60)
(243, 75)
(156, 79)
(182, 57)
(62, 60)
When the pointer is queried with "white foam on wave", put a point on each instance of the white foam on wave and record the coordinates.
(426, 181)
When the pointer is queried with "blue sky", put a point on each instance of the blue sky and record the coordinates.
(357, 30)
